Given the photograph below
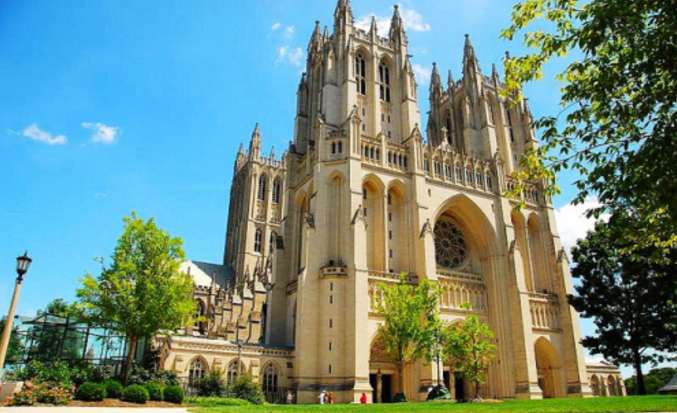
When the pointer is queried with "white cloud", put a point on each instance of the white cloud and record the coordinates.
(573, 224)
(413, 21)
(422, 74)
(289, 32)
(36, 134)
(276, 26)
(293, 56)
(102, 133)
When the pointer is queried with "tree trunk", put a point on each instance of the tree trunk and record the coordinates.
(641, 390)
(130, 358)
(400, 383)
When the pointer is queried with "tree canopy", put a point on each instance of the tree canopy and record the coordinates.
(630, 298)
(654, 381)
(408, 328)
(471, 348)
(142, 292)
(618, 104)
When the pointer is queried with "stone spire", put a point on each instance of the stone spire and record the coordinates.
(451, 85)
(470, 61)
(435, 82)
(343, 15)
(494, 75)
(373, 29)
(316, 37)
(255, 143)
(397, 33)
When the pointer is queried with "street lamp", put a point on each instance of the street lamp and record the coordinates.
(23, 262)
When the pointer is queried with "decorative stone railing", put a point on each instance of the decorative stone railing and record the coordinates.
(530, 194)
(376, 278)
(397, 157)
(260, 211)
(544, 310)
(459, 288)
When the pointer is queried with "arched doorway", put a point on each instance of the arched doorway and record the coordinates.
(547, 366)
(613, 388)
(382, 373)
(595, 385)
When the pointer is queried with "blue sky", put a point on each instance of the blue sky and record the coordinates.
(110, 106)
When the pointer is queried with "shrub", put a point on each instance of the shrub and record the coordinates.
(167, 377)
(173, 394)
(135, 394)
(154, 391)
(113, 389)
(91, 392)
(57, 374)
(47, 394)
(100, 374)
(26, 397)
(212, 384)
(139, 375)
(247, 389)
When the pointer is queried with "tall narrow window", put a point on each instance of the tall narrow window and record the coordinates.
(271, 242)
(257, 240)
(361, 74)
(277, 190)
(384, 81)
(262, 188)
(512, 134)
(270, 378)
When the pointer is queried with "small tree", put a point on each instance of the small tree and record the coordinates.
(16, 347)
(630, 297)
(142, 292)
(471, 348)
(407, 330)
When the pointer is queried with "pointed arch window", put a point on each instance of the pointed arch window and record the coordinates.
(270, 378)
(384, 81)
(361, 74)
(196, 370)
(277, 189)
(257, 240)
(262, 188)
(233, 370)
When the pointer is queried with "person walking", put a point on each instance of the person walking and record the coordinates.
(290, 397)
(322, 396)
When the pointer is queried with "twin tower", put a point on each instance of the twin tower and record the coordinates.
(361, 196)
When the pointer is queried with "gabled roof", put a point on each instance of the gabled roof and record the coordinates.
(204, 273)
(669, 388)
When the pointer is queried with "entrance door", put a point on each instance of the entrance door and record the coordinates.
(446, 377)
(386, 388)
(373, 378)
(459, 387)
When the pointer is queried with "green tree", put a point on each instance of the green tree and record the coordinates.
(619, 97)
(470, 346)
(654, 381)
(16, 348)
(629, 297)
(143, 292)
(407, 331)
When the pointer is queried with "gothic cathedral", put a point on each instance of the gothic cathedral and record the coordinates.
(365, 193)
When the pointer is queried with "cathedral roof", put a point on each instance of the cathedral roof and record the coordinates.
(671, 387)
(204, 273)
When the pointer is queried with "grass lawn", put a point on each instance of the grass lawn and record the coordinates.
(592, 405)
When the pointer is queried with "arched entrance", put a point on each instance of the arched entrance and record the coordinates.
(613, 388)
(595, 385)
(547, 365)
(382, 373)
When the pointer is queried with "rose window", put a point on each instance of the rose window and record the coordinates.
(451, 250)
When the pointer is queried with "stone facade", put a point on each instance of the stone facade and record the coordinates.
(360, 197)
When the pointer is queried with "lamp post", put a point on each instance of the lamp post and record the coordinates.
(23, 262)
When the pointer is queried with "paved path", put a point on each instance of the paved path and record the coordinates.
(92, 410)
